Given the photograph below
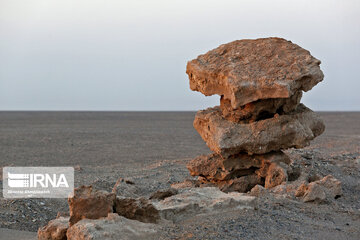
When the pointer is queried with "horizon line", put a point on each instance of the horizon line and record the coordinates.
(64, 110)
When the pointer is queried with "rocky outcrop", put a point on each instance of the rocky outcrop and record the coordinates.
(200, 201)
(86, 203)
(260, 83)
(134, 218)
(245, 71)
(54, 230)
(113, 227)
(139, 209)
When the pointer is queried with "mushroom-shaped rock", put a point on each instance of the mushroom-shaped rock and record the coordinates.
(245, 71)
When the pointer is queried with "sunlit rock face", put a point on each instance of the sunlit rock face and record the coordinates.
(247, 70)
(260, 83)
(90, 204)
(294, 129)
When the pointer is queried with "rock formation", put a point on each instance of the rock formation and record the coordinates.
(205, 200)
(89, 204)
(99, 215)
(260, 83)
(113, 227)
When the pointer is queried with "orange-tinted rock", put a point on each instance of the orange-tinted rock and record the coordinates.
(260, 83)
(275, 175)
(54, 230)
(245, 71)
(325, 189)
(301, 190)
(90, 204)
(295, 129)
(260, 109)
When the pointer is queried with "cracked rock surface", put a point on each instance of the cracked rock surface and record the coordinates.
(295, 129)
(245, 71)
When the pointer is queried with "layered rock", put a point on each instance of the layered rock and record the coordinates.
(295, 129)
(201, 201)
(134, 218)
(245, 71)
(215, 168)
(241, 172)
(260, 83)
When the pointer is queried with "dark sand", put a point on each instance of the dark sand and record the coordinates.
(152, 149)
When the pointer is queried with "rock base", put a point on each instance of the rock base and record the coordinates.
(241, 172)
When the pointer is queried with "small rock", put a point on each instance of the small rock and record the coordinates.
(77, 168)
(54, 230)
(314, 192)
(301, 190)
(326, 189)
(276, 174)
(90, 204)
(258, 191)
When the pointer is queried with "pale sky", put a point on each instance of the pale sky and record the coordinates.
(132, 54)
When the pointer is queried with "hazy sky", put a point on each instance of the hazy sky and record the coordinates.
(132, 54)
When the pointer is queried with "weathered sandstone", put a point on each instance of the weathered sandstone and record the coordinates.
(325, 189)
(201, 201)
(261, 83)
(215, 168)
(295, 129)
(245, 71)
(54, 230)
(241, 172)
(86, 203)
(113, 227)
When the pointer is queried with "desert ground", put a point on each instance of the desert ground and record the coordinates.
(151, 149)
